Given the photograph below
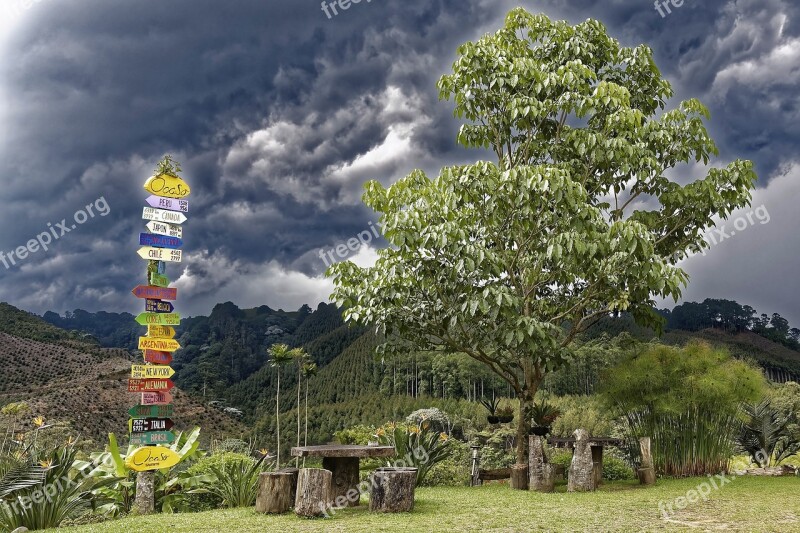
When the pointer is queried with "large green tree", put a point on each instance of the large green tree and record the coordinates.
(507, 261)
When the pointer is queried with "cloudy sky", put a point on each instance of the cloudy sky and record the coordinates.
(279, 113)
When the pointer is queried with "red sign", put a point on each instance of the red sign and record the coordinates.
(155, 293)
(157, 358)
(149, 385)
(156, 398)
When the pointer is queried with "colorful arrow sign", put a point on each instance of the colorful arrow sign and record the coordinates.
(151, 372)
(168, 203)
(161, 254)
(163, 332)
(156, 398)
(162, 228)
(160, 215)
(161, 241)
(157, 306)
(155, 293)
(152, 458)
(143, 425)
(154, 437)
(151, 411)
(158, 280)
(156, 357)
(162, 345)
(164, 319)
(167, 186)
(149, 385)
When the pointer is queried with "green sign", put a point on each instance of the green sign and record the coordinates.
(158, 280)
(159, 319)
(151, 411)
(153, 437)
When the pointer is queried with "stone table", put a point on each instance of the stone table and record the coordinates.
(343, 461)
(597, 444)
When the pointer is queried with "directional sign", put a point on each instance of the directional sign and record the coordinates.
(151, 372)
(154, 437)
(162, 228)
(158, 280)
(149, 385)
(157, 306)
(152, 458)
(161, 241)
(164, 319)
(168, 203)
(156, 357)
(162, 345)
(162, 254)
(156, 398)
(167, 186)
(155, 293)
(160, 215)
(143, 425)
(151, 411)
(163, 332)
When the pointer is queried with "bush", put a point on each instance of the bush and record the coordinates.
(439, 420)
(206, 501)
(585, 412)
(360, 435)
(454, 471)
(614, 468)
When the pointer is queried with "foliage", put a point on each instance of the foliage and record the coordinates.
(765, 434)
(496, 447)
(454, 470)
(235, 481)
(359, 435)
(509, 261)
(417, 446)
(437, 418)
(168, 166)
(587, 412)
(491, 404)
(203, 500)
(544, 413)
(614, 468)
(686, 400)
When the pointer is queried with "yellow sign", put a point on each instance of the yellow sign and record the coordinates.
(163, 345)
(152, 458)
(167, 186)
(160, 332)
(151, 372)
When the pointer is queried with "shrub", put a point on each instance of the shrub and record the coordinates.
(439, 420)
(585, 412)
(417, 446)
(454, 471)
(360, 435)
(207, 500)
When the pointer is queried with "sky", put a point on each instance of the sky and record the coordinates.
(279, 112)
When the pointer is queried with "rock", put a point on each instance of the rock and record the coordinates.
(581, 470)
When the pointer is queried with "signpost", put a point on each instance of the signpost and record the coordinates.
(151, 372)
(155, 293)
(143, 425)
(149, 385)
(161, 241)
(168, 203)
(151, 411)
(163, 332)
(161, 254)
(158, 306)
(167, 186)
(156, 357)
(162, 228)
(154, 437)
(156, 398)
(162, 345)
(152, 458)
(160, 215)
(164, 319)
(157, 280)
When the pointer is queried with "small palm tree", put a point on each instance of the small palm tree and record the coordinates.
(300, 359)
(765, 436)
(281, 354)
(309, 370)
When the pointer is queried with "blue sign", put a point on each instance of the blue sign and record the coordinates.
(160, 241)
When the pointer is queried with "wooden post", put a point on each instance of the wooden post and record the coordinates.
(313, 493)
(144, 503)
(581, 470)
(345, 477)
(519, 477)
(392, 490)
(597, 464)
(646, 472)
(274, 492)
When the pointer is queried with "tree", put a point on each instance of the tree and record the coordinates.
(281, 354)
(309, 370)
(508, 261)
(301, 359)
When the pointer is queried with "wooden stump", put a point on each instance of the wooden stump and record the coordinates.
(294, 472)
(144, 502)
(274, 492)
(345, 478)
(519, 477)
(313, 493)
(597, 464)
(581, 470)
(536, 462)
(392, 490)
(646, 473)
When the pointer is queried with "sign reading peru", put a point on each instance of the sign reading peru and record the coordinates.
(168, 203)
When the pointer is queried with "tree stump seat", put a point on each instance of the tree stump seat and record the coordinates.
(275, 494)
(392, 490)
(313, 498)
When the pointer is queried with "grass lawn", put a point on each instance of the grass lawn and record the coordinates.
(744, 504)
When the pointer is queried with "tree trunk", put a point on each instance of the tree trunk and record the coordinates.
(144, 503)
(646, 472)
(299, 377)
(313, 493)
(581, 470)
(523, 426)
(392, 490)
(519, 477)
(278, 419)
(274, 492)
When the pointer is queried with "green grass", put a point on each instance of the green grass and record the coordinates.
(744, 504)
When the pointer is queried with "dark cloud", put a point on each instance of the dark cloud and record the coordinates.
(280, 114)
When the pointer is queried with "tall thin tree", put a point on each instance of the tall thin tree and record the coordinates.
(281, 354)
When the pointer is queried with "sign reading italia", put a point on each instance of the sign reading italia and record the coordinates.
(162, 241)
(154, 437)
(149, 385)
(164, 332)
(143, 425)
(152, 458)
(160, 215)
(158, 280)
(157, 358)
(151, 411)
(168, 203)
(157, 306)
(155, 293)
(156, 398)
(167, 186)
(162, 228)
(162, 345)
(151, 372)
(164, 319)
(160, 254)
